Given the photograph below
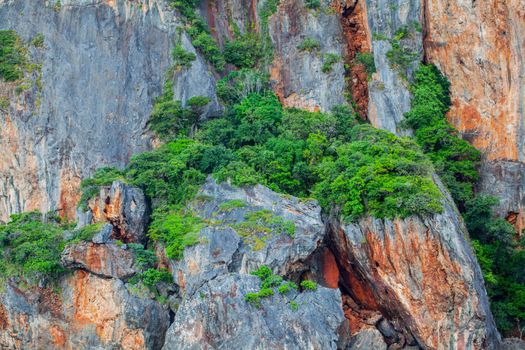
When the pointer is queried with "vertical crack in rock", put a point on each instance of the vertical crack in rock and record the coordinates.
(356, 36)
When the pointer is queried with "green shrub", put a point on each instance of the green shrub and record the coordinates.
(309, 45)
(31, 248)
(245, 51)
(237, 85)
(181, 57)
(231, 205)
(378, 173)
(329, 60)
(151, 277)
(12, 56)
(38, 40)
(312, 4)
(176, 229)
(309, 285)
(367, 60)
(86, 233)
(199, 32)
(144, 258)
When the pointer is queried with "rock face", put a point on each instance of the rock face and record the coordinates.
(90, 312)
(218, 317)
(105, 260)
(389, 95)
(487, 83)
(125, 208)
(423, 273)
(103, 63)
(214, 275)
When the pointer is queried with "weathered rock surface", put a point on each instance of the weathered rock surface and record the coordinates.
(125, 208)
(103, 63)
(479, 46)
(232, 245)
(217, 317)
(214, 276)
(420, 272)
(389, 95)
(105, 260)
(89, 313)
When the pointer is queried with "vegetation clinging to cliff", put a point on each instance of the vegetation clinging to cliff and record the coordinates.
(12, 56)
(456, 161)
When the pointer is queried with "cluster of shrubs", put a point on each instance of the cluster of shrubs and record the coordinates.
(12, 56)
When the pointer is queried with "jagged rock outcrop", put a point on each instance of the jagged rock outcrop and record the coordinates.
(103, 63)
(214, 275)
(124, 207)
(420, 273)
(217, 316)
(479, 46)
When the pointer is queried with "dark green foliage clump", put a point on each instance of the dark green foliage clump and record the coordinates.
(182, 58)
(199, 33)
(170, 119)
(12, 56)
(367, 60)
(237, 85)
(86, 233)
(245, 51)
(378, 173)
(312, 4)
(455, 160)
(30, 247)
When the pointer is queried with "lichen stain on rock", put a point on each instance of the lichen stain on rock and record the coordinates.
(4, 318)
(69, 193)
(58, 336)
(94, 303)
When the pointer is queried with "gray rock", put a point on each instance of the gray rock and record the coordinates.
(224, 246)
(104, 235)
(106, 260)
(388, 89)
(218, 317)
(367, 339)
(513, 344)
(84, 218)
(103, 64)
(125, 208)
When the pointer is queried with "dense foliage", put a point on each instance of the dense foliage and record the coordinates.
(501, 257)
(12, 56)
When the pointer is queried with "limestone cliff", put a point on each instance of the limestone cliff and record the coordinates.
(410, 283)
(479, 46)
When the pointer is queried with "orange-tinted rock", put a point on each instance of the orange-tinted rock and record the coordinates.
(356, 34)
(125, 208)
(94, 312)
(420, 274)
(106, 260)
(479, 46)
